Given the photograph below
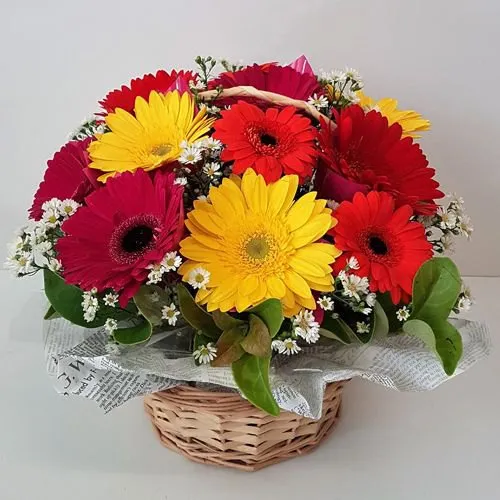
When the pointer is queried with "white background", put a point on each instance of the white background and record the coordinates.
(438, 56)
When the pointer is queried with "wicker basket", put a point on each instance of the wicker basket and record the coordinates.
(221, 428)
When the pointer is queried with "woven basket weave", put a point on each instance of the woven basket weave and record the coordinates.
(222, 428)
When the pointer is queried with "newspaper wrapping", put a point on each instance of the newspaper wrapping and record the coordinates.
(79, 363)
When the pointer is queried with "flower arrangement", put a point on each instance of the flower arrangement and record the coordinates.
(266, 208)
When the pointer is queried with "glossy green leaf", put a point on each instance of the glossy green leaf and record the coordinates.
(67, 301)
(195, 315)
(380, 326)
(251, 374)
(423, 331)
(258, 339)
(225, 321)
(228, 347)
(271, 312)
(134, 334)
(51, 313)
(436, 287)
(330, 335)
(150, 300)
(340, 329)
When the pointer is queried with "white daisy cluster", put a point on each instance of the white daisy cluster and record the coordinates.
(320, 102)
(465, 300)
(88, 128)
(199, 278)
(33, 247)
(286, 346)
(355, 289)
(344, 85)
(170, 314)
(205, 353)
(111, 325)
(90, 305)
(449, 222)
(305, 326)
(171, 262)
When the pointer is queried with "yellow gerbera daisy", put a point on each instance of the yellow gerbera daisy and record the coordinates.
(411, 121)
(256, 243)
(152, 137)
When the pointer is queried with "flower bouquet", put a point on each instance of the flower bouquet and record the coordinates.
(266, 229)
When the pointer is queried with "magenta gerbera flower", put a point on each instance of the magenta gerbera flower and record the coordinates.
(284, 80)
(65, 177)
(126, 226)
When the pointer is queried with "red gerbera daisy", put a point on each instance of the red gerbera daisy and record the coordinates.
(388, 246)
(162, 82)
(363, 148)
(271, 142)
(127, 225)
(284, 80)
(65, 177)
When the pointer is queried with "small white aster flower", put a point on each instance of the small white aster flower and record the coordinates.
(355, 286)
(205, 353)
(190, 154)
(464, 304)
(110, 299)
(448, 218)
(90, 305)
(171, 261)
(198, 278)
(54, 265)
(180, 181)
(326, 303)
(353, 74)
(277, 345)
(212, 144)
(289, 346)
(196, 84)
(111, 325)
(212, 169)
(337, 76)
(53, 204)
(213, 109)
(112, 348)
(371, 299)
(51, 217)
(403, 313)
(464, 225)
(448, 243)
(306, 326)
(353, 263)
(342, 276)
(68, 207)
(319, 102)
(20, 263)
(365, 310)
(362, 327)
(456, 199)
(170, 314)
(89, 315)
(350, 96)
(156, 273)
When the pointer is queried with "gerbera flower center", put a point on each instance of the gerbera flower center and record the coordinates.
(161, 149)
(257, 247)
(377, 245)
(268, 140)
(133, 238)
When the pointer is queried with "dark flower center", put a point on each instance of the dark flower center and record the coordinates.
(137, 238)
(268, 140)
(133, 237)
(377, 245)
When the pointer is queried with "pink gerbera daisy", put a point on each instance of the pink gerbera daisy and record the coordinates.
(65, 177)
(127, 226)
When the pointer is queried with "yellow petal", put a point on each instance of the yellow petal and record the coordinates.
(275, 287)
(302, 266)
(300, 212)
(248, 285)
(312, 231)
(297, 284)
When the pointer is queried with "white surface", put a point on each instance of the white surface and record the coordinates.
(388, 445)
(438, 56)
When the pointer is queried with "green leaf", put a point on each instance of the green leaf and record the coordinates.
(390, 309)
(225, 321)
(271, 312)
(258, 339)
(195, 315)
(436, 288)
(423, 331)
(228, 347)
(134, 334)
(330, 335)
(51, 313)
(67, 301)
(340, 329)
(380, 327)
(251, 374)
(149, 308)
